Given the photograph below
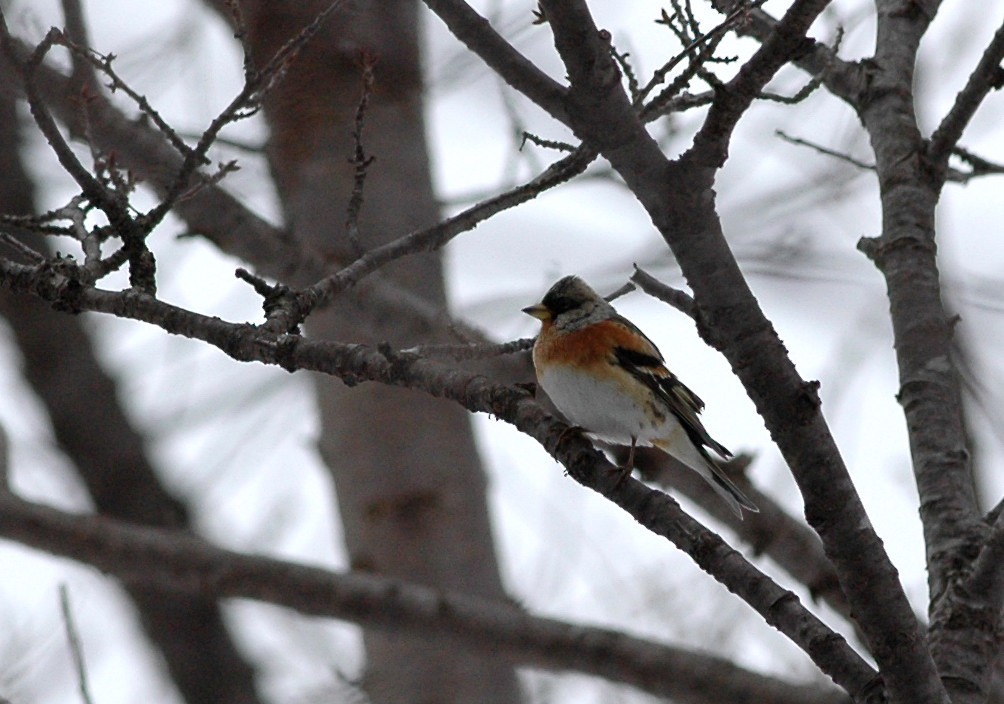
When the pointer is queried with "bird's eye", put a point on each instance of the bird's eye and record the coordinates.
(559, 304)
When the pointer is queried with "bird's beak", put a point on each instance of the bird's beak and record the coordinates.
(538, 311)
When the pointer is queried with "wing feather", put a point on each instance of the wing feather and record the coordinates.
(648, 367)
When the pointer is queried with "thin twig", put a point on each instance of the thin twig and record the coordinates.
(241, 35)
(623, 290)
(809, 88)
(804, 92)
(546, 143)
(432, 238)
(675, 101)
(680, 300)
(142, 266)
(787, 40)
(357, 363)
(823, 150)
(19, 246)
(74, 641)
(104, 64)
(473, 350)
(660, 74)
(90, 186)
(979, 165)
(359, 160)
(988, 75)
(628, 70)
(247, 103)
(657, 105)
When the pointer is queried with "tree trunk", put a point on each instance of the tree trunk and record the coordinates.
(410, 485)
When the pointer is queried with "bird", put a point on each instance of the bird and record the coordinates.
(609, 380)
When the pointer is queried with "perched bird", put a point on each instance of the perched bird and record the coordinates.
(609, 379)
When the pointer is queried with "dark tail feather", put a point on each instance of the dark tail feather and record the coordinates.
(736, 499)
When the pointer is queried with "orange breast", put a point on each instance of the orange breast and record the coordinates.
(586, 347)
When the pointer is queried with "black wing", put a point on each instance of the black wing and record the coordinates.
(650, 370)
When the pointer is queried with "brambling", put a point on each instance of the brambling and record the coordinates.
(609, 379)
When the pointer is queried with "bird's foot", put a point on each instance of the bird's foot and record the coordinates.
(624, 470)
(568, 431)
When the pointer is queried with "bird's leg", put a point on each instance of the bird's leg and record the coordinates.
(629, 465)
(624, 470)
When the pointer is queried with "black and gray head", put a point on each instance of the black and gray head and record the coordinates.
(572, 300)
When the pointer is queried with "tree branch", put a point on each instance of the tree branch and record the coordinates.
(515, 69)
(114, 203)
(179, 561)
(679, 199)
(843, 79)
(786, 41)
(436, 236)
(76, 649)
(988, 75)
(356, 363)
(680, 300)
(987, 577)
(929, 390)
(209, 210)
(772, 532)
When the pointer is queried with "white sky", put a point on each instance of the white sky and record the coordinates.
(566, 552)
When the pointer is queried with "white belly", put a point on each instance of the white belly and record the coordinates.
(603, 408)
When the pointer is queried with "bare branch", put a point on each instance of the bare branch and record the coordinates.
(788, 39)
(824, 150)
(434, 237)
(142, 269)
(477, 34)
(359, 160)
(800, 95)
(978, 166)
(89, 185)
(18, 246)
(772, 532)
(659, 75)
(212, 212)
(678, 198)
(105, 64)
(241, 35)
(842, 78)
(177, 560)
(244, 105)
(659, 105)
(357, 363)
(680, 300)
(986, 581)
(76, 649)
(546, 143)
(988, 75)
(472, 350)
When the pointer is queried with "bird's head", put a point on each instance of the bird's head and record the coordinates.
(572, 298)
